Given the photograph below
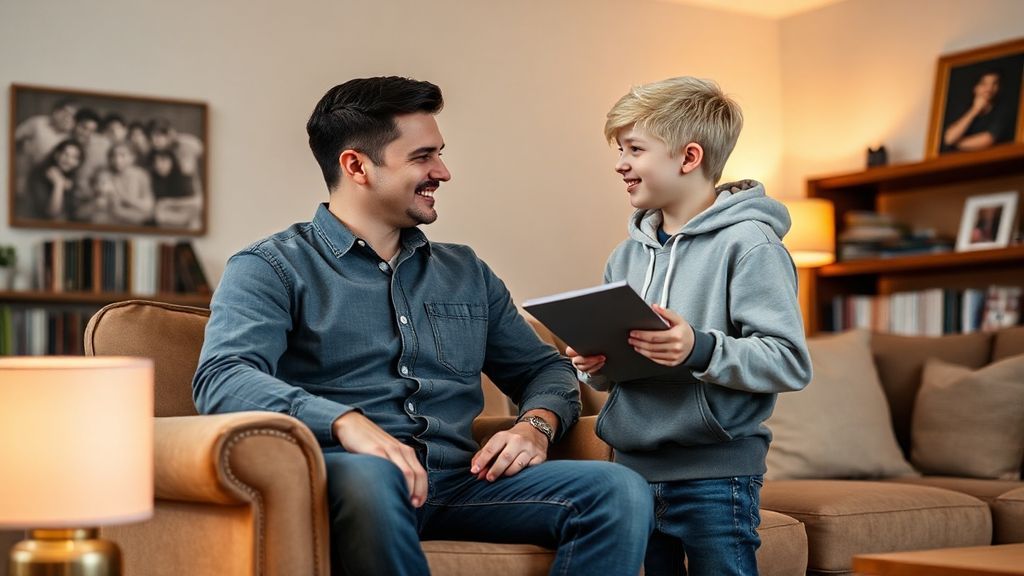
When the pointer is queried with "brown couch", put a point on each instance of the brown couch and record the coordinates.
(244, 493)
(847, 517)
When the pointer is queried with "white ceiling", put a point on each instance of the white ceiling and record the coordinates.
(775, 9)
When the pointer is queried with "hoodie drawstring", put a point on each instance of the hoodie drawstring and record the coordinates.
(668, 273)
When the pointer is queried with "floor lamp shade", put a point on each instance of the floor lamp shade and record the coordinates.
(76, 441)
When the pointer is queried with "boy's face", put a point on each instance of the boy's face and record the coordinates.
(652, 173)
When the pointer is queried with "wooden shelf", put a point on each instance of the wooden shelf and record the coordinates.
(100, 298)
(913, 264)
(960, 166)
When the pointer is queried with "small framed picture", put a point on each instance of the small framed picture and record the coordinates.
(977, 102)
(108, 162)
(987, 222)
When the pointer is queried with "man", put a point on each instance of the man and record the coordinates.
(375, 338)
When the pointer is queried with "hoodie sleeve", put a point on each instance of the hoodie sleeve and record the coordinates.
(769, 354)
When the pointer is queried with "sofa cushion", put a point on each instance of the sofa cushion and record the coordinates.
(783, 550)
(982, 489)
(458, 558)
(970, 423)
(900, 362)
(1008, 342)
(843, 518)
(1008, 517)
(838, 427)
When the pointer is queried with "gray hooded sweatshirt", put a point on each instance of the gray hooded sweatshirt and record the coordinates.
(727, 273)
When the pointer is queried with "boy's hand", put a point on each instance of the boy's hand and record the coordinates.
(588, 364)
(667, 347)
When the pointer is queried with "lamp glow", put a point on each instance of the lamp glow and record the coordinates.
(811, 240)
(77, 448)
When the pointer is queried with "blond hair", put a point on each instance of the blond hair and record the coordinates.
(679, 111)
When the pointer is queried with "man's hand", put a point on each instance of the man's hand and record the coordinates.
(359, 435)
(588, 364)
(509, 452)
(666, 347)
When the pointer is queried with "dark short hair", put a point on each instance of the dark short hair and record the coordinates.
(87, 114)
(360, 115)
(159, 126)
(110, 119)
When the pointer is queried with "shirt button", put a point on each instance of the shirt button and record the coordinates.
(403, 319)
(411, 407)
(383, 266)
(361, 243)
(405, 370)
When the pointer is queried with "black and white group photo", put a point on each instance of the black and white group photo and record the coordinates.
(95, 161)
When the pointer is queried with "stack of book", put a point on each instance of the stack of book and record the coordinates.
(140, 266)
(40, 331)
(873, 235)
(929, 312)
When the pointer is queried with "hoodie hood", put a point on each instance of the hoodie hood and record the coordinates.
(735, 202)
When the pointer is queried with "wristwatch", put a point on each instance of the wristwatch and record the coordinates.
(539, 423)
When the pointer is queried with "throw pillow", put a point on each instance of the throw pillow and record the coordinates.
(839, 426)
(970, 422)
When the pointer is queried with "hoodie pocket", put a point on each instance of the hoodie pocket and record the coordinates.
(643, 417)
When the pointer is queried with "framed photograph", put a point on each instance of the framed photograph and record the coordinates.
(977, 103)
(987, 222)
(107, 162)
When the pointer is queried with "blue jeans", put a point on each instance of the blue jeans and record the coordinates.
(711, 523)
(597, 515)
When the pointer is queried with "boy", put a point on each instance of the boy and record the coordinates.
(711, 262)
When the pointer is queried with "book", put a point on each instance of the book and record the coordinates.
(597, 321)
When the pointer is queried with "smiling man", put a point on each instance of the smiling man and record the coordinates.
(375, 338)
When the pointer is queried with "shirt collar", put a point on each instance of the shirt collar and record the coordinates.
(340, 239)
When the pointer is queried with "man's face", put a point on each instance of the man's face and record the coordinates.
(84, 130)
(648, 168)
(160, 140)
(121, 158)
(412, 170)
(987, 86)
(116, 131)
(63, 118)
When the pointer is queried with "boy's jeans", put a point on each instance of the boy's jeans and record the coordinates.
(596, 514)
(711, 523)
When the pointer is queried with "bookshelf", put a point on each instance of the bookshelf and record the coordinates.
(929, 194)
(74, 278)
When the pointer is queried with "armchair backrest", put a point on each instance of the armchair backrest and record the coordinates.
(169, 334)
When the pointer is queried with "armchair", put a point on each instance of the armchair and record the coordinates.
(244, 493)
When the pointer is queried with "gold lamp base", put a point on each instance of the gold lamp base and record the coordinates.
(73, 552)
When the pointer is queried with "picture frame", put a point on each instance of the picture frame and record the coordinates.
(987, 222)
(977, 102)
(108, 162)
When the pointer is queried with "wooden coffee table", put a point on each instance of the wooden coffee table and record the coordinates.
(1003, 560)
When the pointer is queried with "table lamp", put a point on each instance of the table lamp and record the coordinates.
(76, 451)
(812, 239)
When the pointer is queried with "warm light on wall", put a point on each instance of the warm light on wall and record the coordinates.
(811, 240)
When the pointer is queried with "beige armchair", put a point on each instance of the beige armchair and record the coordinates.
(244, 493)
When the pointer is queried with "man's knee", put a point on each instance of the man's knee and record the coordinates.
(361, 481)
(620, 494)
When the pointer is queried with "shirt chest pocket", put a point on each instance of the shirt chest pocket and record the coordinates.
(460, 334)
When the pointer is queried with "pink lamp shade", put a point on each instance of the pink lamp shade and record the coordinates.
(76, 441)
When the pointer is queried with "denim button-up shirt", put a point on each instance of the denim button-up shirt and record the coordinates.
(311, 322)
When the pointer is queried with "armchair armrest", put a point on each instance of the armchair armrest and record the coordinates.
(579, 443)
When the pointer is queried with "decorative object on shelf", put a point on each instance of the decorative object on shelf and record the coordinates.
(78, 453)
(978, 99)
(811, 240)
(987, 222)
(8, 266)
(97, 161)
(877, 157)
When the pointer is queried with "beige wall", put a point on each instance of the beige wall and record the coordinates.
(527, 84)
(862, 72)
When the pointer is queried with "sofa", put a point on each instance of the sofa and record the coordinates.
(244, 493)
(870, 512)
